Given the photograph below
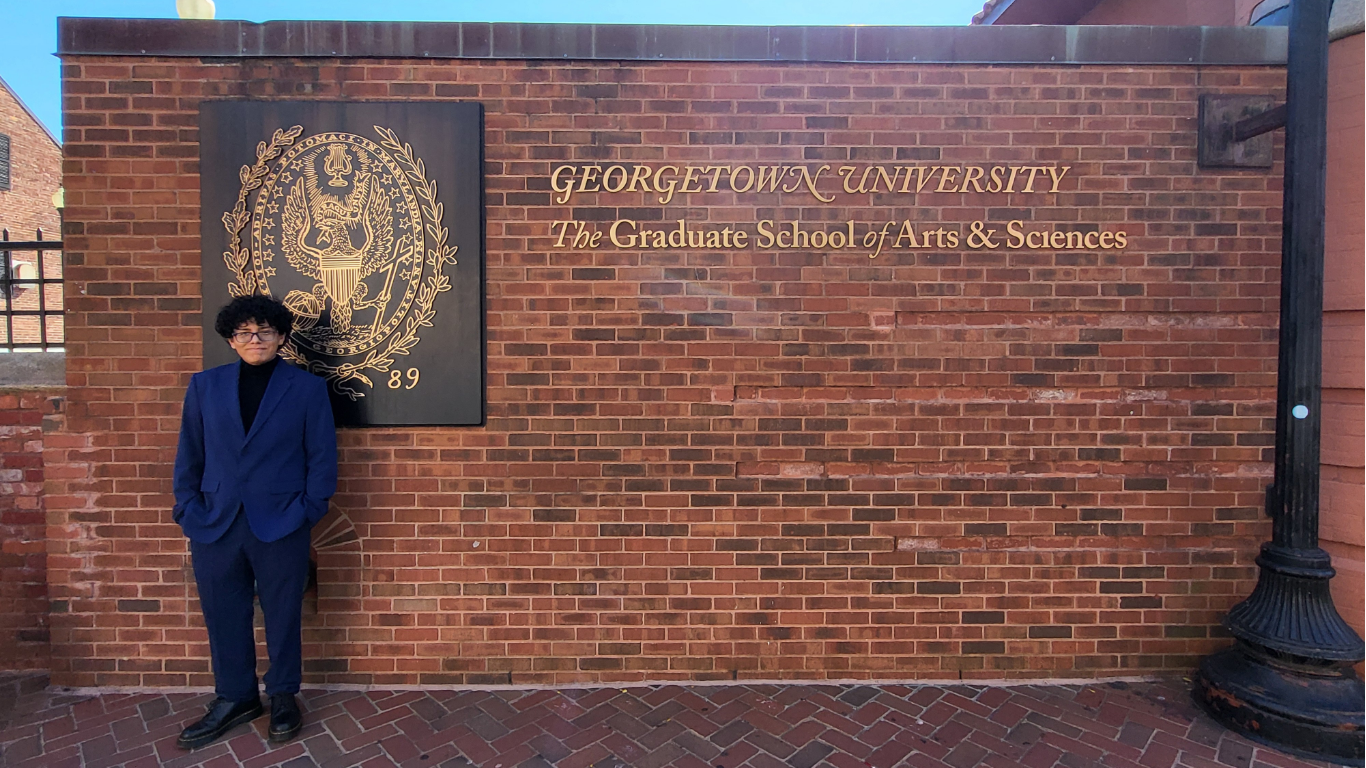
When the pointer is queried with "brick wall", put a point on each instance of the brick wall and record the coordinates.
(35, 173)
(1342, 490)
(25, 209)
(704, 465)
(23, 556)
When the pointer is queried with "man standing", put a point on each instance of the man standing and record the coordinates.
(256, 464)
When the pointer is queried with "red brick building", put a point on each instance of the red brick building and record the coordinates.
(30, 171)
(30, 175)
(1343, 489)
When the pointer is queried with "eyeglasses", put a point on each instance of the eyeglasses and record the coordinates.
(244, 337)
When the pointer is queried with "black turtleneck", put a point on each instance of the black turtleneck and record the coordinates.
(251, 387)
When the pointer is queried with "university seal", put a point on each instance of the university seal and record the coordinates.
(348, 232)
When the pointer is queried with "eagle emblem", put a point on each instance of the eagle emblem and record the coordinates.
(363, 247)
(338, 240)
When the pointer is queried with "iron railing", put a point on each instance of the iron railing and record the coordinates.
(31, 301)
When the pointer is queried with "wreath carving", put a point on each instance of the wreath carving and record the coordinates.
(378, 190)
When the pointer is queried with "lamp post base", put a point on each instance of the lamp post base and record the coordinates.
(1314, 712)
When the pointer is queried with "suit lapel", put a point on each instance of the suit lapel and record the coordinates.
(275, 392)
(227, 386)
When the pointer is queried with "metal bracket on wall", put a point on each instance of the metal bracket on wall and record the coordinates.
(1235, 130)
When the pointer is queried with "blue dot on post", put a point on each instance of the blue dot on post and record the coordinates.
(1300, 411)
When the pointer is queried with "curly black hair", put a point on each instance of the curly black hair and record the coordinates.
(262, 310)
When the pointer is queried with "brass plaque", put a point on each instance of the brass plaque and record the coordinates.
(366, 220)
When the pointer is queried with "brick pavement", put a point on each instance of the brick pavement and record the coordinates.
(1103, 725)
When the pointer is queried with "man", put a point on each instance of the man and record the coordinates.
(256, 464)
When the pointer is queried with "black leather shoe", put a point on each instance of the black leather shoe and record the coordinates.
(285, 717)
(223, 715)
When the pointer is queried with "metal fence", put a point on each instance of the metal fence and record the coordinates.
(31, 301)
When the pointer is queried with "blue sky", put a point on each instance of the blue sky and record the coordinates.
(31, 25)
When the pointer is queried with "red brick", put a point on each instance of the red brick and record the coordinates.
(1032, 416)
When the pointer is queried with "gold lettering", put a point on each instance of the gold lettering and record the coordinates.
(713, 239)
(629, 242)
(997, 183)
(1029, 240)
(564, 228)
(1057, 177)
(953, 239)
(688, 179)
(1121, 240)
(1057, 240)
(583, 238)
(881, 239)
(765, 238)
(590, 176)
(1077, 238)
(882, 176)
(1033, 170)
(749, 181)
(1107, 240)
(1014, 169)
(716, 175)
(907, 233)
(847, 171)
(740, 239)
(945, 178)
(607, 178)
(1087, 242)
(800, 239)
(920, 178)
(863, 180)
(682, 233)
(640, 177)
(809, 180)
(658, 239)
(972, 176)
(666, 193)
(815, 243)
(568, 189)
(1015, 235)
(770, 175)
(696, 238)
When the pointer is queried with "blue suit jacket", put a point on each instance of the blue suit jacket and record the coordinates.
(282, 472)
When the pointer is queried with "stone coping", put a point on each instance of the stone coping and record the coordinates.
(33, 369)
(634, 42)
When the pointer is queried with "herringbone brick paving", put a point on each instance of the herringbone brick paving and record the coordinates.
(1103, 725)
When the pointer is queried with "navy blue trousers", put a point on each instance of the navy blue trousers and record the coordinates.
(230, 572)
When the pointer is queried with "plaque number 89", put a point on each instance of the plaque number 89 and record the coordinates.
(396, 378)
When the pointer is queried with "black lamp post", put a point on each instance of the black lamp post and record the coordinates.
(1288, 678)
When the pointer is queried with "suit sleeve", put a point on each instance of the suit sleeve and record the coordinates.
(320, 453)
(189, 458)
